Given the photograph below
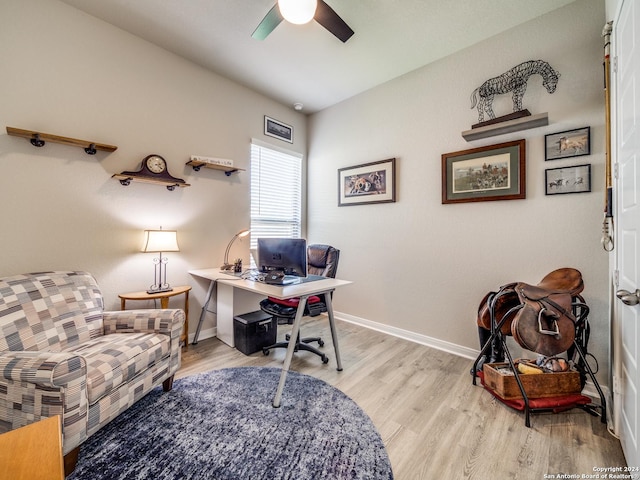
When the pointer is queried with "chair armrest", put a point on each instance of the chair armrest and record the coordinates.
(36, 385)
(165, 321)
(50, 369)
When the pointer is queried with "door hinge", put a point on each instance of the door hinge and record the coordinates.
(615, 170)
(614, 64)
(616, 278)
(616, 385)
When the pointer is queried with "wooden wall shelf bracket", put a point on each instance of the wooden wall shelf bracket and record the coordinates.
(126, 178)
(227, 170)
(523, 123)
(38, 139)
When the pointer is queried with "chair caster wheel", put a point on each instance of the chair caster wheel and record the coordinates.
(325, 359)
(287, 337)
(265, 351)
(321, 343)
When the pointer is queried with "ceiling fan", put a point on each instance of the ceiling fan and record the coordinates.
(317, 10)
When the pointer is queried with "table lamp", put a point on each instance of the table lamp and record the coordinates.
(226, 265)
(160, 241)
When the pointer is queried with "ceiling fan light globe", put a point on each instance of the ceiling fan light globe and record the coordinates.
(298, 11)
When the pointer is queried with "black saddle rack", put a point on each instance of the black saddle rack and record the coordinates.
(578, 349)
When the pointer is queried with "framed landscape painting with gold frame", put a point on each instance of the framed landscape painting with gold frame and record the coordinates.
(494, 172)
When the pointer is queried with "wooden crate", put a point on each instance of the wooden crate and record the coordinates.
(541, 385)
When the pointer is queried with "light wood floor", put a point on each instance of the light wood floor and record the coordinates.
(434, 422)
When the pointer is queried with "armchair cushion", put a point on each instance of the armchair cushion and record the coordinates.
(115, 359)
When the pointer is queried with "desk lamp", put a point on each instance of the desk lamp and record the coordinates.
(160, 241)
(226, 265)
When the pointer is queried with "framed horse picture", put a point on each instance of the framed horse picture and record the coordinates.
(494, 172)
(576, 179)
(571, 143)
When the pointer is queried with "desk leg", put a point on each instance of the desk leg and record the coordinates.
(186, 320)
(224, 314)
(332, 325)
(204, 311)
(290, 349)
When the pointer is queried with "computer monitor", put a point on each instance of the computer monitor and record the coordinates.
(287, 255)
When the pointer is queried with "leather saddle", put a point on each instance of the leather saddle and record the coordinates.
(541, 317)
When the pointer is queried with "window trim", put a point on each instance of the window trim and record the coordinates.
(302, 205)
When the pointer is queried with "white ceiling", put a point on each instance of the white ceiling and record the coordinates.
(306, 63)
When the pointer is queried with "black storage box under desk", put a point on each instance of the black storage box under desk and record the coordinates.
(253, 331)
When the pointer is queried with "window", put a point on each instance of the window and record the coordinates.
(276, 198)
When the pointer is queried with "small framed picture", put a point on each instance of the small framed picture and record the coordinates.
(494, 172)
(367, 183)
(571, 143)
(278, 130)
(576, 179)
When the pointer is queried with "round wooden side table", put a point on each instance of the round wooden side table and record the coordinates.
(164, 303)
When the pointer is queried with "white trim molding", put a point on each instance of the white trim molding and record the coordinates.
(443, 345)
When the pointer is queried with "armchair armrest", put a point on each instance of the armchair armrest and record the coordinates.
(164, 321)
(36, 385)
(49, 369)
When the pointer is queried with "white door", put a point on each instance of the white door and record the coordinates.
(626, 39)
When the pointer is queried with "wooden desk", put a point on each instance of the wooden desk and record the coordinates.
(164, 303)
(33, 452)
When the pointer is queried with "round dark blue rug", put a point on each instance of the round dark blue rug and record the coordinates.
(221, 425)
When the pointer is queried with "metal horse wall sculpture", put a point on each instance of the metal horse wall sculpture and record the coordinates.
(514, 80)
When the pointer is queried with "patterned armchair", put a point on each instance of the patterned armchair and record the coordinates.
(61, 354)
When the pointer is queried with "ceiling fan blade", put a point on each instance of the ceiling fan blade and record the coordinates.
(329, 19)
(268, 24)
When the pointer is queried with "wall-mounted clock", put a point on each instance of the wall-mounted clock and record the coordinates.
(153, 170)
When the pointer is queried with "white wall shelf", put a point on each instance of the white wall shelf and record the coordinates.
(523, 123)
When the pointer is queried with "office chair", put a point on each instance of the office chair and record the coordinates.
(321, 260)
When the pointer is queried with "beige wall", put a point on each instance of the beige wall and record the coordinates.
(419, 267)
(422, 267)
(67, 73)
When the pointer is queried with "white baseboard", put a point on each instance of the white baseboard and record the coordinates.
(445, 346)
(204, 334)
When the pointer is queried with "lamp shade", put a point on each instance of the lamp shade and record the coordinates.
(298, 11)
(241, 234)
(160, 241)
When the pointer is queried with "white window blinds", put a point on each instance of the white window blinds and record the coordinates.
(275, 193)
